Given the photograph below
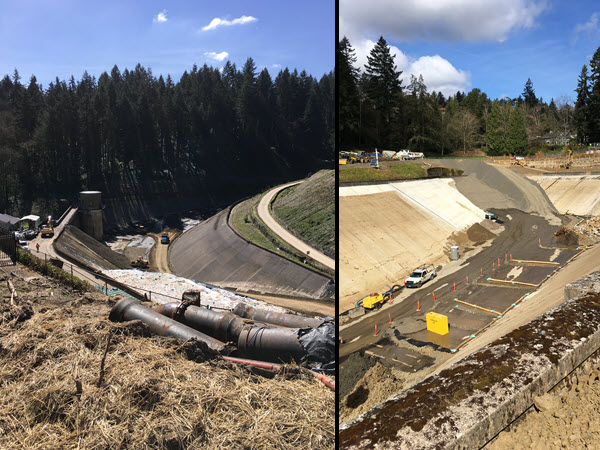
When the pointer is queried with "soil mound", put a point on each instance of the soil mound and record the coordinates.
(479, 234)
(567, 237)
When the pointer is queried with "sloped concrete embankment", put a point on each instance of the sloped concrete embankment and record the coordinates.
(75, 245)
(212, 253)
(572, 194)
(467, 404)
(386, 230)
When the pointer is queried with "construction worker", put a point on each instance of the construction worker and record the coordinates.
(38, 247)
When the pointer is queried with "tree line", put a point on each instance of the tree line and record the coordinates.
(131, 131)
(376, 110)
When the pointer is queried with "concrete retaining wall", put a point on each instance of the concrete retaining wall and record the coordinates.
(467, 404)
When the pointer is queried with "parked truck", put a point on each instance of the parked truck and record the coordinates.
(420, 276)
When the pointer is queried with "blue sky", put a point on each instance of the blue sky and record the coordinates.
(64, 37)
(493, 45)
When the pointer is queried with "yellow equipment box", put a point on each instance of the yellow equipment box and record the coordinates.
(437, 323)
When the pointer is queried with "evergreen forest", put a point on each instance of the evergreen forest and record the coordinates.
(213, 132)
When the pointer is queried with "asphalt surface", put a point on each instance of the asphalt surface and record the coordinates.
(265, 215)
(519, 239)
(212, 252)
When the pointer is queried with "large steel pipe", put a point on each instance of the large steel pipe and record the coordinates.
(130, 309)
(275, 318)
(252, 338)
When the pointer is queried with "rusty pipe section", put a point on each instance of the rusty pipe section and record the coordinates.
(252, 338)
(130, 309)
(275, 318)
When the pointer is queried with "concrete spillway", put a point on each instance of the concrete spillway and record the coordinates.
(213, 253)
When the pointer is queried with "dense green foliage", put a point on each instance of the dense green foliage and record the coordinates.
(387, 171)
(376, 111)
(133, 133)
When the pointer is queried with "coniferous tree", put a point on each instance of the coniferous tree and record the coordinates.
(517, 136)
(349, 102)
(383, 86)
(581, 115)
(496, 138)
(529, 94)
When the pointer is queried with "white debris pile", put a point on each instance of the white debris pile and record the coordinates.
(167, 288)
(188, 223)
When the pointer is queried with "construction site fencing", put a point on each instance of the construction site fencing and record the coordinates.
(8, 249)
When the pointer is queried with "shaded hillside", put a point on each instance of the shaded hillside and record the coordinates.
(132, 134)
(308, 210)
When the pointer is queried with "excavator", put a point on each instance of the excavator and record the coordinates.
(569, 162)
(48, 230)
(140, 263)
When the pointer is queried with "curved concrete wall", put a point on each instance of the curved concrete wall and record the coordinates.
(212, 253)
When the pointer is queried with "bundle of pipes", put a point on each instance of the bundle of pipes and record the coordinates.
(130, 309)
(275, 318)
(252, 338)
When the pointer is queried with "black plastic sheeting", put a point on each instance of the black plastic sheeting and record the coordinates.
(319, 344)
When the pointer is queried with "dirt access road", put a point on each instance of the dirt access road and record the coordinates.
(265, 215)
(159, 255)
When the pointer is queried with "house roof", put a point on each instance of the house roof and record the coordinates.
(5, 218)
(30, 217)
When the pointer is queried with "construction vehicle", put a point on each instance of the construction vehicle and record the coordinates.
(518, 161)
(420, 276)
(374, 300)
(140, 263)
(569, 162)
(48, 230)
(377, 300)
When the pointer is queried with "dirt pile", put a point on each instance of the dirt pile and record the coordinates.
(378, 384)
(566, 237)
(567, 417)
(72, 379)
(590, 226)
(479, 234)
(467, 239)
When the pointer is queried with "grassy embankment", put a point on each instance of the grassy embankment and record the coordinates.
(246, 222)
(308, 211)
(388, 171)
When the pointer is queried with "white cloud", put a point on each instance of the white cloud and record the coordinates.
(160, 17)
(217, 22)
(276, 66)
(443, 20)
(589, 28)
(438, 73)
(216, 56)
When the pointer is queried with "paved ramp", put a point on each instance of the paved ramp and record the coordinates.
(212, 253)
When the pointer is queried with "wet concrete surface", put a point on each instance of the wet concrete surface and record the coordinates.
(401, 358)
(521, 239)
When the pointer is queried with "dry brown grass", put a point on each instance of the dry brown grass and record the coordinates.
(152, 395)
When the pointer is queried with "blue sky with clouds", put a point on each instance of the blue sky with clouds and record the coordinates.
(493, 45)
(65, 37)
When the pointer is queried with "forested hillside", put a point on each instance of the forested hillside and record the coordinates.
(230, 131)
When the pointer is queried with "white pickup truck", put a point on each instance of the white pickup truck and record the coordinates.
(420, 275)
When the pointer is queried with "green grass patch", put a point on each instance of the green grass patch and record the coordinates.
(307, 210)
(388, 171)
(244, 219)
(50, 270)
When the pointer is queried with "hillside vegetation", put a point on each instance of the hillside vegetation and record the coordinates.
(73, 379)
(308, 210)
